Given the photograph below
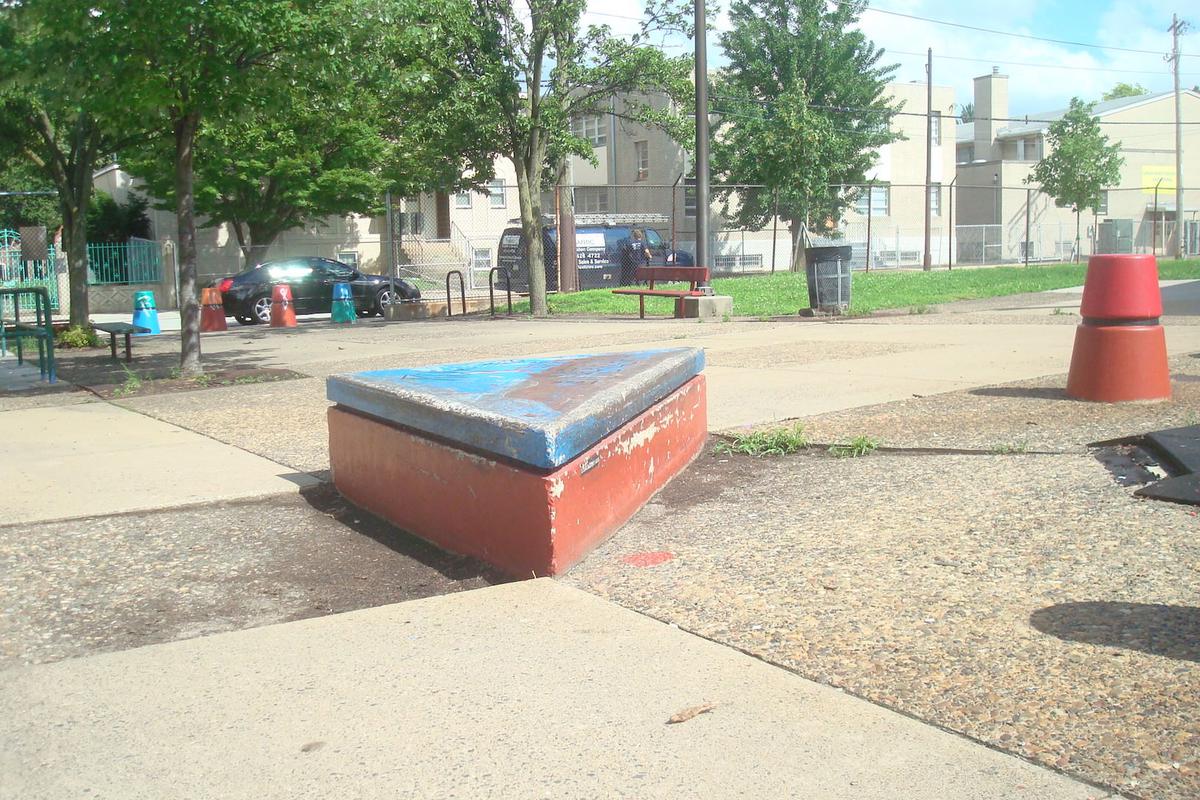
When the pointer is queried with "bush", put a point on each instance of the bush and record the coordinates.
(77, 336)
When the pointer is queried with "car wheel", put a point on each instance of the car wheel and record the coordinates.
(246, 319)
(261, 308)
(385, 298)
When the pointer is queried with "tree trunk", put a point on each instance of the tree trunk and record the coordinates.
(255, 241)
(796, 228)
(185, 214)
(75, 243)
(529, 194)
(568, 260)
(1078, 245)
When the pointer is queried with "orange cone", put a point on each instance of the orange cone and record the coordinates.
(212, 311)
(1120, 348)
(283, 311)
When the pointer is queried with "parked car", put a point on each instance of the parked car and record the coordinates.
(247, 295)
(608, 252)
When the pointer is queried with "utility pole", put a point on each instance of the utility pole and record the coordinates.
(926, 263)
(1178, 26)
(701, 136)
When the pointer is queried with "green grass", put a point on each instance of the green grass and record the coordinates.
(786, 293)
(857, 447)
(773, 442)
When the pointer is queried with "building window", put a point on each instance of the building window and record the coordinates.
(348, 257)
(935, 199)
(879, 199)
(641, 152)
(1102, 206)
(591, 127)
(966, 154)
(481, 258)
(462, 200)
(935, 127)
(689, 197)
(591, 200)
(496, 193)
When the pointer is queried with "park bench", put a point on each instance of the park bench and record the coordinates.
(113, 329)
(694, 276)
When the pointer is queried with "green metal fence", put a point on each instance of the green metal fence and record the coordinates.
(134, 261)
(18, 273)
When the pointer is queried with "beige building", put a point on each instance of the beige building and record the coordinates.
(895, 201)
(996, 155)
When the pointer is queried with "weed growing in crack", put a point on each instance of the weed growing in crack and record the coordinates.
(773, 442)
(857, 447)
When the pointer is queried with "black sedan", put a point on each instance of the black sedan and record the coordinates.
(247, 295)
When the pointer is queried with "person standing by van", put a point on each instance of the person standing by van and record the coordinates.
(635, 254)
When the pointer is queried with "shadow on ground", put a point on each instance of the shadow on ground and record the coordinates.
(1029, 392)
(1161, 630)
(325, 498)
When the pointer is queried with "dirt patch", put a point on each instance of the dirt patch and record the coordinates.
(137, 384)
(116, 582)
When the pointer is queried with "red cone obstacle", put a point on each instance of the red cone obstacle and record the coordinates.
(283, 310)
(1120, 349)
(212, 312)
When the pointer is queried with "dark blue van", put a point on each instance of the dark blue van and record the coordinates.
(606, 251)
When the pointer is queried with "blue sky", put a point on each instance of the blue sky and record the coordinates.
(1042, 76)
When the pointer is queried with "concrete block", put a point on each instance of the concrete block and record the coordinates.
(524, 520)
(716, 306)
(540, 412)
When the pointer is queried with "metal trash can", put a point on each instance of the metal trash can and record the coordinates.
(828, 272)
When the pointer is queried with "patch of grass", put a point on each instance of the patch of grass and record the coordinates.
(132, 384)
(857, 447)
(1058, 312)
(1009, 448)
(919, 309)
(773, 442)
(77, 336)
(203, 379)
(244, 379)
(785, 293)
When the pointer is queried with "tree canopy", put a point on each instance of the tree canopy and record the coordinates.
(387, 110)
(1123, 89)
(801, 110)
(1079, 163)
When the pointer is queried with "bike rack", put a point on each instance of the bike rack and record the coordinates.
(462, 291)
(492, 294)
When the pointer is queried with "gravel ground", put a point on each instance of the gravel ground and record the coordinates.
(111, 583)
(1024, 600)
(1032, 415)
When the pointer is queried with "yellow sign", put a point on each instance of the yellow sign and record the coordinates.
(1152, 174)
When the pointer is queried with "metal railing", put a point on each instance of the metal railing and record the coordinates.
(134, 261)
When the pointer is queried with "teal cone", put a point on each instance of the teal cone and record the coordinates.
(343, 311)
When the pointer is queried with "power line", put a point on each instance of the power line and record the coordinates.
(1022, 120)
(1006, 62)
(1013, 34)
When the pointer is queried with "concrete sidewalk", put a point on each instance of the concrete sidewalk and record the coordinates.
(91, 459)
(523, 690)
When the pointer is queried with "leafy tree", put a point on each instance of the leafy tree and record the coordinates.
(17, 211)
(180, 64)
(1123, 89)
(390, 111)
(802, 109)
(968, 113)
(546, 70)
(110, 221)
(1079, 163)
(52, 56)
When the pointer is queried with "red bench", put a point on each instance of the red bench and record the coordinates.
(693, 275)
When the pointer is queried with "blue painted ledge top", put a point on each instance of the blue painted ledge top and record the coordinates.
(539, 411)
